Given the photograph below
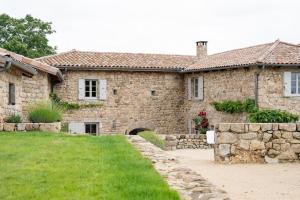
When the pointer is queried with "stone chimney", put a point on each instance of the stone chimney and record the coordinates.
(201, 47)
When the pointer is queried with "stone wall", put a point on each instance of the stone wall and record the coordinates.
(12, 76)
(46, 127)
(36, 88)
(186, 141)
(257, 143)
(271, 90)
(236, 84)
(132, 106)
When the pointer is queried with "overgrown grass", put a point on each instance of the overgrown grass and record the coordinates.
(153, 138)
(45, 112)
(55, 166)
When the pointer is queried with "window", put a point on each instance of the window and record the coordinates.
(11, 94)
(195, 88)
(91, 88)
(295, 83)
(115, 92)
(91, 128)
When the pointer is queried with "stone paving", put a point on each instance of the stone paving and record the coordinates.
(189, 184)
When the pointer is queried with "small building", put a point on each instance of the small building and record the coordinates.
(163, 92)
(23, 81)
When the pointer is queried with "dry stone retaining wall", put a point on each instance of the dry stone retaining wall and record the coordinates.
(257, 143)
(186, 141)
(47, 127)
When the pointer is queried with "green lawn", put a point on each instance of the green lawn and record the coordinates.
(55, 166)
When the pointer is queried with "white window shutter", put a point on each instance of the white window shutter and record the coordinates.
(81, 89)
(287, 84)
(189, 88)
(102, 89)
(200, 88)
(76, 127)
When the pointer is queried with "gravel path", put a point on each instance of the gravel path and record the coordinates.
(189, 184)
(245, 181)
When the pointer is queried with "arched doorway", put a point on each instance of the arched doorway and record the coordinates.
(137, 130)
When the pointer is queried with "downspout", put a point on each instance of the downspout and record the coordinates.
(256, 85)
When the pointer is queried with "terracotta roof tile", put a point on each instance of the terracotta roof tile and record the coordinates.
(270, 53)
(276, 53)
(33, 63)
(84, 59)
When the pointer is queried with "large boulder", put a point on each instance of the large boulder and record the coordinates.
(226, 138)
(238, 128)
(257, 145)
(288, 126)
(9, 126)
(224, 149)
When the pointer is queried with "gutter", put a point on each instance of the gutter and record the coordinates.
(25, 68)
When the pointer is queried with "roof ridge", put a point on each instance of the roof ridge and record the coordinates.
(57, 54)
(266, 53)
(106, 52)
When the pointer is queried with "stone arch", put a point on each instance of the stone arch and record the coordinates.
(136, 127)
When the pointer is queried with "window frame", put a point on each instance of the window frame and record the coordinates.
(297, 84)
(91, 124)
(90, 91)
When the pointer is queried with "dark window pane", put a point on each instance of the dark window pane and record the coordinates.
(94, 94)
(87, 128)
(93, 83)
(87, 94)
(11, 94)
(298, 83)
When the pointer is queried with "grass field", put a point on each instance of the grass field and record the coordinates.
(54, 166)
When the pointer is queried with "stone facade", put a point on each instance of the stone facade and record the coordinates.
(186, 141)
(169, 111)
(13, 76)
(36, 88)
(27, 91)
(149, 100)
(257, 143)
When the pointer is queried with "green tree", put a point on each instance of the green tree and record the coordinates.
(26, 36)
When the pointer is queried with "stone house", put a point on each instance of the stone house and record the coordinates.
(23, 81)
(164, 92)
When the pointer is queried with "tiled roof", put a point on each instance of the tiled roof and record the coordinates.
(276, 53)
(98, 60)
(33, 63)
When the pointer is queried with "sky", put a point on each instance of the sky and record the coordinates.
(162, 26)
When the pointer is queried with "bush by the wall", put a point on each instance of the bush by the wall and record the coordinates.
(272, 116)
(14, 118)
(71, 106)
(230, 106)
(45, 112)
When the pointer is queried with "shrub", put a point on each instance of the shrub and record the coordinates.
(230, 106)
(201, 122)
(14, 118)
(153, 138)
(272, 116)
(45, 112)
(71, 106)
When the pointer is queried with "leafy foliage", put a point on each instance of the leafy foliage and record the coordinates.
(153, 138)
(14, 118)
(45, 112)
(230, 106)
(72, 106)
(272, 116)
(201, 122)
(26, 36)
